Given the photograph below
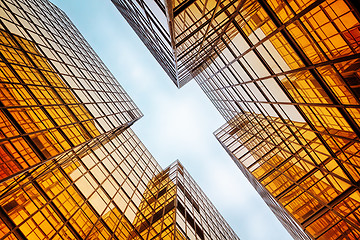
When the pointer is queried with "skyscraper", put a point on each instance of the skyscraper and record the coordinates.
(71, 167)
(56, 94)
(284, 75)
(184, 210)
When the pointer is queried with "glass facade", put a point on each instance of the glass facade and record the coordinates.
(55, 93)
(176, 208)
(149, 21)
(70, 165)
(285, 76)
(92, 195)
(290, 98)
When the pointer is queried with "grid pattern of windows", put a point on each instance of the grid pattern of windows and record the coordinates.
(148, 19)
(94, 195)
(176, 208)
(288, 85)
(55, 93)
(297, 175)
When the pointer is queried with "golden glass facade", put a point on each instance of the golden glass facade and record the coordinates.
(55, 93)
(175, 207)
(93, 195)
(70, 165)
(115, 190)
(285, 76)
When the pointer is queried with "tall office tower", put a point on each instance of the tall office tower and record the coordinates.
(175, 206)
(153, 22)
(55, 93)
(284, 75)
(92, 195)
(149, 21)
(294, 109)
(71, 167)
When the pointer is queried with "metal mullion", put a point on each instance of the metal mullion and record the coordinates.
(307, 145)
(231, 17)
(47, 129)
(302, 103)
(268, 196)
(313, 41)
(255, 84)
(110, 176)
(295, 154)
(307, 129)
(73, 185)
(277, 30)
(140, 33)
(223, 28)
(85, 68)
(89, 144)
(331, 21)
(182, 6)
(320, 81)
(208, 27)
(352, 212)
(31, 181)
(193, 17)
(356, 6)
(154, 20)
(56, 210)
(18, 127)
(286, 160)
(298, 158)
(295, 136)
(327, 63)
(324, 54)
(55, 105)
(99, 217)
(316, 167)
(11, 225)
(137, 31)
(86, 201)
(307, 62)
(316, 43)
(32, 94)
(35, 166)
(171, 28)
(329, 207)
(198, 42)
(192, 33)
(149, 15)
(246, 93)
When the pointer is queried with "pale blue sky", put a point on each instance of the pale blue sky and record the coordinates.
(177, 124)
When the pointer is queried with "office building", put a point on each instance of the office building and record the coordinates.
(56, 95)
(284, 75)
(71, 166)
(148, 19)
(176, 206)
(93, 195)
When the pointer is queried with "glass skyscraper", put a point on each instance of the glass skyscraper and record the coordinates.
(71, 167)
(56, 94)
(175, 206)
(285, 76)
